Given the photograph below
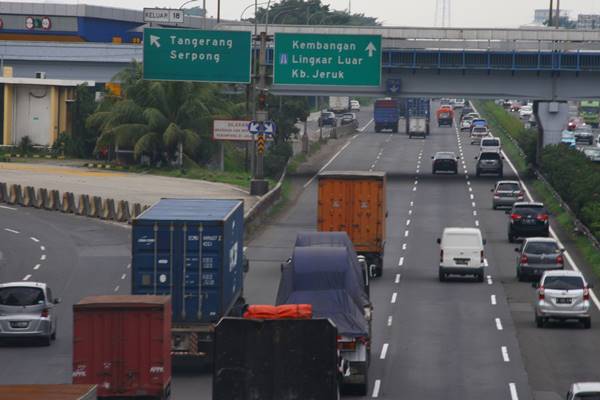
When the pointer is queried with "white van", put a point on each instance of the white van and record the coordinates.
(490, 144)
(461, 253)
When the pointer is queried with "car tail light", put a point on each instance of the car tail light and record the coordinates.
(541, 293)
(346, 344)
(560, 259)
(524, 260)
(515, 216)
(520, 195)
(481, 255)
(441, 255)
(496, 195)
(586, 293)
(45, 313)
(542, 217)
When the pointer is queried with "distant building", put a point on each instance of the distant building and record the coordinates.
(588, 21)
(540, 16)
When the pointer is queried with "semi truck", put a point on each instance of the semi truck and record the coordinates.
(192, 250)
(386, 114)
(339, 104)
(417, 117)
(590, 112)
(355, 202)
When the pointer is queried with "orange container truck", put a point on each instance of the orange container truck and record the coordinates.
(354, 202)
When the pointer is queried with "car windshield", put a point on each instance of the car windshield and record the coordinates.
(480, 130)
(445, 155)
(542, 248)
(489, 156)
(509, 187)
(490, 142)
(21, 296)
(587, 396)
(525, 108)
(348, 116)
(563, 282)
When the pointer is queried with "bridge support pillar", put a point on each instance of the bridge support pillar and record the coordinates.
(552, 118)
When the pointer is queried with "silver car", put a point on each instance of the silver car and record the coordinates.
(507, 193)
(584, 391)
(563, 295)
(27, 311)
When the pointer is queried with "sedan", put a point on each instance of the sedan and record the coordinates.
(465, 124)
(446, 161)
(525, 111)
(527, 219)
(562, 295)
(538, 255)
(583, 135)
(27, 311)
(507, 193)
(349, 119)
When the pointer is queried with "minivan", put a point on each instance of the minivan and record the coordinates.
(461, 253)
(490, 144)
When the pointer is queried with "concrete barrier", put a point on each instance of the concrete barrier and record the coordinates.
(108, 210)
(123, 214)
(136, 210)
(29, 199)
(96, 207)
(83, 205)
(54, 201)
(3, 193)
(42, 198)
(15, 195)
(68, 203)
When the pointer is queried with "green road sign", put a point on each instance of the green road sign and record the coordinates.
(316, 59)
(197, 55)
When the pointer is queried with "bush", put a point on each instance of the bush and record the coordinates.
(275, 159)
(67, 145)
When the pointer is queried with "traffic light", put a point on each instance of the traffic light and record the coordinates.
(262, 101)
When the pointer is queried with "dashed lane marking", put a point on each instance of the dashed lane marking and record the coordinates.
(34, 239)
(123, 276)
(43, 257)
(474, 212)
(128, 266)
(403, 246)
(473, 204)
(376, 387)
(407, 222)
(493, 299)
(394, 296)
(489, 280)
(411, 203)
(384, 350)
(401, 261)
(26, 278)
(476, 222)
(12, 231)
(498, 324)
(397, 280)
(406, 233)
(389, 323)
(513, 391)
(505, 354)
(117, 288)
(37, 266)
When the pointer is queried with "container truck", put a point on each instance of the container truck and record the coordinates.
(445, 116)
(417, 117)
(354, 202)
(123, 345)
(48, 392)
(323, 277)
(386, 114)
(192, 250)
(339, 104)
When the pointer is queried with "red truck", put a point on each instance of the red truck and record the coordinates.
(445, 116)
(123, 345)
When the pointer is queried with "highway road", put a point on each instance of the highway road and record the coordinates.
(454, 340)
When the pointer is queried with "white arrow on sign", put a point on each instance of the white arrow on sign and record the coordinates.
(253, 127)
(154, 41)
(370, 48)
(269, 127)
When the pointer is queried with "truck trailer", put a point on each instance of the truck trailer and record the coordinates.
(48, 392)
(192, 250)
(417, 117)
(386, 114)
(354, 202)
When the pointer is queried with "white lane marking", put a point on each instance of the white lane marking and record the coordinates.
(37, 266)
(397, 278)
(27, 277)
(117, 288)
(513, 391)
(123, 276)
(376, 387)
(474, 212)
(8, 208)
(411, 203)
(34, 239)
(416, 181)
(384, 350)
(43, 257)
(498, 324)
(493, 299)
(472, 197)
(401, 261)
(394, 296)
(372, 166)
(476, 222)
(409, 212)
(329, 162)
(417, 171)
(489, 280)
(43, 248)
(12, 231)
(485, 264)
(407, 222)
(389, 320)
(473, 204)
(470, 189)
(128, 266)
(403, 246)
(505, 354)
(365, 127)
(468, 183)
(414, 188)
(552, 233)
(406, 233)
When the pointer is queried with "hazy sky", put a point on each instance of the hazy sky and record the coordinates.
(464, 13)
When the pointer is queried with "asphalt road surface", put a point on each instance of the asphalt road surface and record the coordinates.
(454, 340)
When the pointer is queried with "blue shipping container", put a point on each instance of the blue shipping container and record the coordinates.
(204, 281)
(417, 107)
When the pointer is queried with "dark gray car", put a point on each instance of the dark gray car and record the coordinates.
(584, 136)
(538, 255)
(27, 311)
(489, 163)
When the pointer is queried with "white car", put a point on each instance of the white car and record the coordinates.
(461, 253)
(584, 390)
(458, 103)
(478, 133)
(490, 144)
(354, 105)
(525, 111)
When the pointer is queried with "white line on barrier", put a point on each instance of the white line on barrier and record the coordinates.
(8, 208)
(12, 231)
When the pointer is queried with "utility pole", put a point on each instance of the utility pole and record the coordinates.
(550, 20)
(259, 185)
(557, 14)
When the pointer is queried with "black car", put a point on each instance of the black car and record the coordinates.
(327, 118)
(528, 220)
(349, 119)
(584, 136)
(489, 162)
(466, 110)
(445, 161)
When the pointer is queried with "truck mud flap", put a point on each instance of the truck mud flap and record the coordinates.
(275, 359)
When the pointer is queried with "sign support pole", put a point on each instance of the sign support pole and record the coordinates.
(259, 186)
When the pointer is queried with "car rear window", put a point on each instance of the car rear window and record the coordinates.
(563, 282)
(587, 396)
(461, 240)
(489, 156)
(529, 209)
(490, 142)
(508, 187)
(480, 130)
(542, 248)
(21, 296)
